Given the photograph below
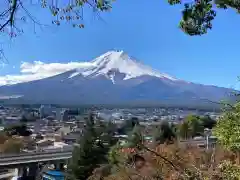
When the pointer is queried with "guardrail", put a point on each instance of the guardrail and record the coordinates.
(37, 157)
(3, 155)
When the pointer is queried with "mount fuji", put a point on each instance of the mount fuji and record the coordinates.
(114, 78)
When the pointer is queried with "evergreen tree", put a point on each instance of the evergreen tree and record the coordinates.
(113, 155)
(18, 129)
(135, 138)
(128, 125)
(184, 130)
(208, 122)
(164, 133)
(191, 126)
(89, 154)
(107, 136)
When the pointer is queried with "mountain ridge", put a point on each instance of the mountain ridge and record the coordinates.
(114, 77)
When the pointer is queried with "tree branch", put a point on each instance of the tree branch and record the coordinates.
(162, 157)
(29, 15)
(12, 11)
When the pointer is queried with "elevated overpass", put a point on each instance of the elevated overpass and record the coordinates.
(28, 158)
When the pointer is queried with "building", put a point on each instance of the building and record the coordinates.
(65, 115)
(45, 110)
(58, 114)
(9, 120)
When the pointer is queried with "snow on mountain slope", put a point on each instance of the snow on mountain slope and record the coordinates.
(113, 78)
(118, 61)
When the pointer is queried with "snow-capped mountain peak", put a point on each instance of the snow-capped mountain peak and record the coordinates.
(124, 64)
(81, 86)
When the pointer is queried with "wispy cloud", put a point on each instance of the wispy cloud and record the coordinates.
(39, 70)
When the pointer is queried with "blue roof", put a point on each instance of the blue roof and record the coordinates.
(55, 173)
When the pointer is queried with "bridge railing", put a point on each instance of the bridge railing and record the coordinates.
(3, 155)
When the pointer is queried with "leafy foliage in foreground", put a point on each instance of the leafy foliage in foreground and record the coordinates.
(197, 15)
(228, 129)
(190, 163)
(14, 11)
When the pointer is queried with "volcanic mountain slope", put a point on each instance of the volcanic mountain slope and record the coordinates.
(113, 78)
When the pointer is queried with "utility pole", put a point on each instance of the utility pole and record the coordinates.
(207, 133)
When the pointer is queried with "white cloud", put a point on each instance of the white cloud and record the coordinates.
(39, 70)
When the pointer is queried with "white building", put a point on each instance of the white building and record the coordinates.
(45, 110)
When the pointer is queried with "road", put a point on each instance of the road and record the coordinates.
(26, 158)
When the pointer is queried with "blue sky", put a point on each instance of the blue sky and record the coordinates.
(147, 31)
